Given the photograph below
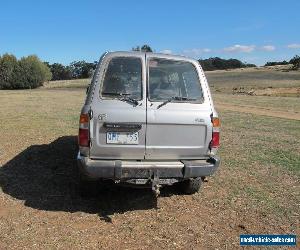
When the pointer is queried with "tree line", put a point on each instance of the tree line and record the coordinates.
(217, 63)
(75, 70)
(81, 69)
(295, 61)
(31, 72)
(212, 63)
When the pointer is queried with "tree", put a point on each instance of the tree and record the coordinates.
(59, 71)
(32, 72)
(82, 69)
(295, 61)
(144, 48)
(28, 72)
(8, 70)
(76, 70)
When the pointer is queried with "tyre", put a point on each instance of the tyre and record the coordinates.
(191, 186)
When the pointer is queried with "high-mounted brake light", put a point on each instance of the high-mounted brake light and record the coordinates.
(83, 135)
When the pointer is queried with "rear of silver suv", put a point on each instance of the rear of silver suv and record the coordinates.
(148, 119)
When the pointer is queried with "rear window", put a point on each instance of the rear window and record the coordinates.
(123, 77)
(173, 79)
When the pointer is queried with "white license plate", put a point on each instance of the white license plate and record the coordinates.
(122, 138)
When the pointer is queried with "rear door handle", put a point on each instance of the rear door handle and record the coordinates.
(130, 126)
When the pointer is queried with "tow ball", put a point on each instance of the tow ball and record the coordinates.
(155, 189)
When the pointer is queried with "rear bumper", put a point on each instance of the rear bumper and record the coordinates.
(126, 170)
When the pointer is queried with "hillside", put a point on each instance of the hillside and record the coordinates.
(273, 80)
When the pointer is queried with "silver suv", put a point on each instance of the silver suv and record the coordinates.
(148, 119)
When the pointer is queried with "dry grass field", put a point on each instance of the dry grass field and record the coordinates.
(256, 190)
(258, 80)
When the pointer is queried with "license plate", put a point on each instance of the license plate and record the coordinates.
(122, 138)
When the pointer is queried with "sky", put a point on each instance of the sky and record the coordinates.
(64, 31)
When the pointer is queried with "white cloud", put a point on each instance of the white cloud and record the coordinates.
(240, 48)
(166, 51)
(206, 50)
(294, 46)
(268, 48)
(195, 52)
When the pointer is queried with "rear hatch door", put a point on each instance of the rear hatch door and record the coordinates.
(178, 111)
(118, 124)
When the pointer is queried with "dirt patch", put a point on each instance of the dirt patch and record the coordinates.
(258, 111)
(4, 211)
(294, 91)
(278, 92)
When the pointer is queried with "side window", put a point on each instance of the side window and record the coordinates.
(123, 77)
(192, 90)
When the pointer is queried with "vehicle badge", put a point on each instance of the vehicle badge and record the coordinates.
(102, 117)
(199, 120)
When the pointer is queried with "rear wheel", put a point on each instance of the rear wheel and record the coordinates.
(191, 186)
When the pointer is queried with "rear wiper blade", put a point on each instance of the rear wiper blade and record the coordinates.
(129, 99)
(115, 93)
(175, 98)
(122, 97)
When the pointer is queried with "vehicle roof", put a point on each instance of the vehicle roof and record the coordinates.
(152, 54)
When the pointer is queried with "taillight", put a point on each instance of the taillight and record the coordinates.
(83, 135)
(215, 141)
(216, 122)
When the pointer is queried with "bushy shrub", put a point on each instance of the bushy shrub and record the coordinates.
(295, 61)
(28, 72)
(8, 69)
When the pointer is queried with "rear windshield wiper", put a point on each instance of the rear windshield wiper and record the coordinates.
(122, 97)
(115, 93)
(175, 98)
(129, 99)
